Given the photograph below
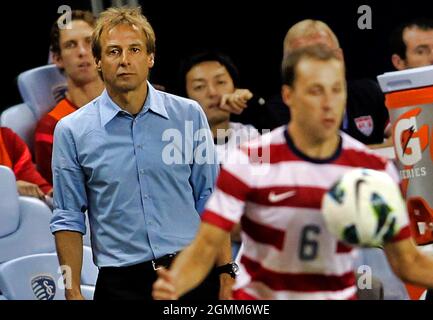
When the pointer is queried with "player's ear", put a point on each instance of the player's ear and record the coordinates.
(286, 94)
(57, 59)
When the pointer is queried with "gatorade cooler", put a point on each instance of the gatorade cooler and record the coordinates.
(409, 99)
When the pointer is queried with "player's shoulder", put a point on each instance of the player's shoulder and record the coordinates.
(351, 146)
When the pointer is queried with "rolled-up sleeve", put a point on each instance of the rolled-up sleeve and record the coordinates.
(205, 166)
(70, 200)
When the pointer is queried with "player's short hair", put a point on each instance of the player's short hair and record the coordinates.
(85, 16)
(292, 59)
(308, 28)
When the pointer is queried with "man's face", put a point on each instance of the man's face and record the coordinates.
(206, 82)
(317, 97)
(76, 53)
(124, 62)
(419, 46)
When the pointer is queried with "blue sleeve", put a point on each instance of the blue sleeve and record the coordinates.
(70, 199)
(205, 166)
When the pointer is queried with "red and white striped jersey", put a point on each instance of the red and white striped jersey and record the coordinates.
(275, 192)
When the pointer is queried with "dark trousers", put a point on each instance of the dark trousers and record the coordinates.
(135, 283)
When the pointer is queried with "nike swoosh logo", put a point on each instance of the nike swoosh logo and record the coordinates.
(357, 190)
(273, 197)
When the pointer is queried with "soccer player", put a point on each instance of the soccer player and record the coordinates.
(288, 253)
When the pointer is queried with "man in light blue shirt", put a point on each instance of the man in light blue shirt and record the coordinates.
(138, 162)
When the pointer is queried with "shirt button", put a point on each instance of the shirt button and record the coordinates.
(156, 248)
(146, 196)
(149, 223)
(140, 146)
(142, 171)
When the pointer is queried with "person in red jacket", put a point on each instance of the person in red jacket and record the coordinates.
(15, 154)
(72, 54)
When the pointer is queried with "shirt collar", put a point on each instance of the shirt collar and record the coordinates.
(154, 102)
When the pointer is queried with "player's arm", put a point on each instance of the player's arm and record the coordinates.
(410, 264)
(192, 265)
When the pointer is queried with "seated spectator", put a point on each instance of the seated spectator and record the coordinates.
(411, 44)
(211, 79)
(72, 53)
(15, 154)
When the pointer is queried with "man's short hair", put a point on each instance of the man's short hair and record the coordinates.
(205, 56)
(113, 17)
(292, 59)
(307, 28)
(396, 42)
(85, 16)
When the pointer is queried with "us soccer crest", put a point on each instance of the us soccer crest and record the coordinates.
(44, 287)
(365, 125)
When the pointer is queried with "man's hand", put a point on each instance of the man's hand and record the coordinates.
(29, 189)
(226, 286)
(236, 102)
(164, 288)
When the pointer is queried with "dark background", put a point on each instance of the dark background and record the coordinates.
(251, 34)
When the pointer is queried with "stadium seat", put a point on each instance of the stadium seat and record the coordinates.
(27, 247)
(22, 121)
(35, 277)
(24, 222)
(41, 88)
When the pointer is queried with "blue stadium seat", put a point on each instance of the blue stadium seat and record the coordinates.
(22, 121)
(24, 222)
(27, 247)
(35, 277)
(41, 88)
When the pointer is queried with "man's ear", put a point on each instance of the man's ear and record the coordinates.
(398, 62)
(57, 60)
(287, 94)
(151, 61)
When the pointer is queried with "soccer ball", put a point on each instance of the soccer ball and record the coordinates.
(364, 208)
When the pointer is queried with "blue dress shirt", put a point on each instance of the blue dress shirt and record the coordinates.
(141, 180)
